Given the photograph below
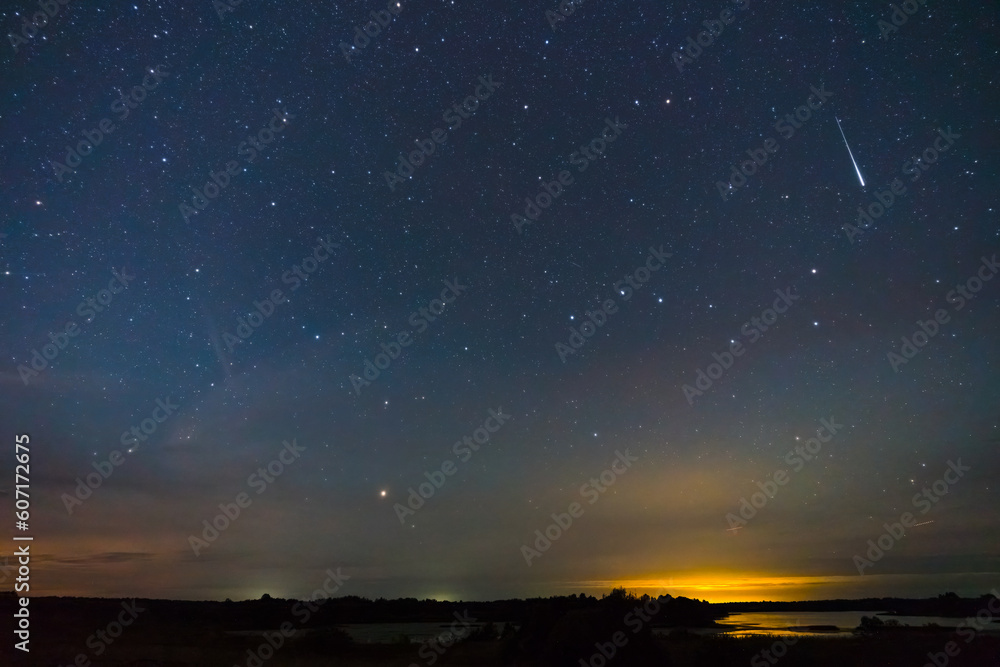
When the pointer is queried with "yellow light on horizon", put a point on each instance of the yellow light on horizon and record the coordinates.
(723, 587)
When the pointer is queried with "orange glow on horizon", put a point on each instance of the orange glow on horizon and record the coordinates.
(722, 587)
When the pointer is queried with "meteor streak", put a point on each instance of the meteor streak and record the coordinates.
(860, 177)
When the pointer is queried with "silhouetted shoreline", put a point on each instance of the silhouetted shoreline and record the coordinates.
(558, 631)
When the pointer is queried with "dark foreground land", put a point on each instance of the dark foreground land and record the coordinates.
(558, 632)
(707, 652)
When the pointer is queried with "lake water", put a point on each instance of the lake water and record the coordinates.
(387, 633)
(778, 622)
(754, 623)
(741, 624)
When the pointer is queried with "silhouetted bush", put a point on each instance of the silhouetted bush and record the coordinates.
(872, 625)
(487, 632)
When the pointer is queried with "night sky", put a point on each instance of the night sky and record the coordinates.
(650, 336)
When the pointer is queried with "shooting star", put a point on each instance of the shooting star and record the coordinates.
(860, 177)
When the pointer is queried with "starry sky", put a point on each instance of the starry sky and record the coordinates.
(311, 218)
